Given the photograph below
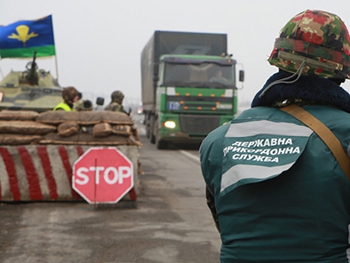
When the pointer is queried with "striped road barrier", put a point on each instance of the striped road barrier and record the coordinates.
(44, 172)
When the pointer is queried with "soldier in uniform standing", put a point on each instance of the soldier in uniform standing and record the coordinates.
(116, 103)
(276, 190)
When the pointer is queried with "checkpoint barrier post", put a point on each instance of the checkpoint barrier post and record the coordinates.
(44, 172)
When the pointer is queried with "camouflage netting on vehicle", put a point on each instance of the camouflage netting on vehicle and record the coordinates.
(67, 128)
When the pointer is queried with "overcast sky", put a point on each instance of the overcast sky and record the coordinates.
(99, 42)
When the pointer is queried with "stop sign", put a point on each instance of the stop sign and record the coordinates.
(102, 175)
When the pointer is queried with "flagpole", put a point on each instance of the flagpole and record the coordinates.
(56, 68)
(2, 75)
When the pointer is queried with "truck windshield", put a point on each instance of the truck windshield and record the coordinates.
(207, 75)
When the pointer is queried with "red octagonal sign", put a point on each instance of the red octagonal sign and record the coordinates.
(103, 175)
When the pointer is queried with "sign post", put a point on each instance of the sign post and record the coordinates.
(102, 175)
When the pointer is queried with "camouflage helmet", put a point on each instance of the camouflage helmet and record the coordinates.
(69, 93)
(117, 96)
(317, 38)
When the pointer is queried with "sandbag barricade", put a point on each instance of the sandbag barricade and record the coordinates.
(38, 150)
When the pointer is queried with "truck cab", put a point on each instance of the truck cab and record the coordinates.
(195, 94)
(189, 86)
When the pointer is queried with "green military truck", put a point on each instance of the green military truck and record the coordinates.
(189, 86)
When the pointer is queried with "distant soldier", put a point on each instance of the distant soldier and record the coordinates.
(83, 105)
(116, 103)
(69, 95)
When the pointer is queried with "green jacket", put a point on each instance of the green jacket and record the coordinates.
(279, 193)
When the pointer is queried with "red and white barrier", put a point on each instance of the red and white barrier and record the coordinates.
(44, 172)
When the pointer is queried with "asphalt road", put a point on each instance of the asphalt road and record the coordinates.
(169, 222)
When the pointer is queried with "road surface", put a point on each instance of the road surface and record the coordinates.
(169, 222)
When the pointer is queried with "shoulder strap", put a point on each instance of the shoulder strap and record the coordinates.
(324, 133)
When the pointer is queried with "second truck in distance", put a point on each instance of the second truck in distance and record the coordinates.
(189, 86)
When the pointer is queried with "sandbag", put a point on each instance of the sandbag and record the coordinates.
(12, 115)
(113, 117)
(95, 117)
(88, 139)
(25, 127)
(68, 128)
(17, 139)
(90, 117)
(84, 117)
(102, 130)
(57, 117)
(135, 133)
(124, 130)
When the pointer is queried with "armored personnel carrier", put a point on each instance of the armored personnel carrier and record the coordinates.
(32, 89)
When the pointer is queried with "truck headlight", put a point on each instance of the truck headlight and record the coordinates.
(169, 124)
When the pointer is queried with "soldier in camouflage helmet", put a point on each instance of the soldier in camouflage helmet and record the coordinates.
(69, 95)
(276, 191)
(116, 103)
(318, 38)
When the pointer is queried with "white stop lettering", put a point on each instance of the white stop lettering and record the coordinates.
(111, 175)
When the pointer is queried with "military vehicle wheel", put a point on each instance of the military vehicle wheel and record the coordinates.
(161, 144)
(152, 130)
(153, 139)
(147, 125)
(147, 132)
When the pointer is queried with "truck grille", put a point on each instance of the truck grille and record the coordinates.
(198, 124)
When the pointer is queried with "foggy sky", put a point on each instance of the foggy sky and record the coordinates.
(98, 43)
